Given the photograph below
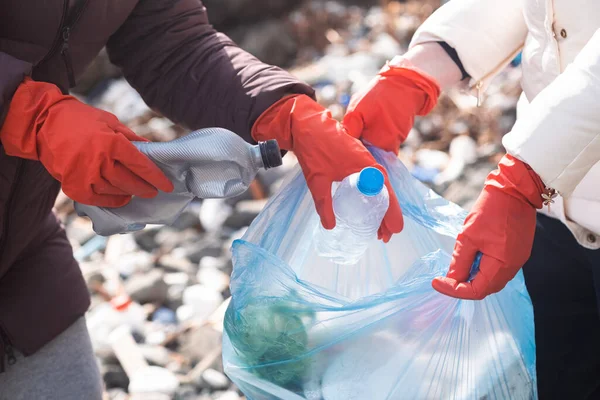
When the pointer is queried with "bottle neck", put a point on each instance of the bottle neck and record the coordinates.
(257, 157)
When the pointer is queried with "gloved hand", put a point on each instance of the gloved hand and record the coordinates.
(383, 113)
(325, 152)
(501, 225)
(88, 150)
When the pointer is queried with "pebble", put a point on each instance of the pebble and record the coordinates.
(244, 213)
(175, 296)
(213, 279)
(228, 395)
(164, 316)
(130, 263)
(186, 220)
(146, 239)
(80, 230)
(204, 300)
(117, 394)
(214, 379)
(114, 376)
(150, 396)
(118, 245)
(198, 343)
(176, 263)
(156, 337)
(207, 246)
(214, 213)
(186, 392)
(147, 288)
(214, 262)
(153, 380)
(156, 355)
(176, 279)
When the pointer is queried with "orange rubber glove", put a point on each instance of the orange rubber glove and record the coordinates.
(383, 113)
(325, 152)
(88, 150)
(501, 226)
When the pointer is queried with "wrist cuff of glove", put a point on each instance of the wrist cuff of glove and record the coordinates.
(403, 69)
(519, 180)
(277, 121)
(26, 114)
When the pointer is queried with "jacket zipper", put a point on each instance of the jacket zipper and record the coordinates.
(66, 34)
(56, 41)
(66, 55)
(478, 85)
(61, 41)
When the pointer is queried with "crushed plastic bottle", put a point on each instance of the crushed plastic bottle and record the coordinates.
(359, 204)
(207, 164)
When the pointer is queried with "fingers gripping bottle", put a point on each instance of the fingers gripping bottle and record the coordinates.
(359, 203)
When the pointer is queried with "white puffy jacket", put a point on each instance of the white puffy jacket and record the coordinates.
(558, 118)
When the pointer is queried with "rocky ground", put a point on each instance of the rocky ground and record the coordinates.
(169, 285)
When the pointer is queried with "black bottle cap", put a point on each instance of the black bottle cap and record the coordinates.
(271, 154)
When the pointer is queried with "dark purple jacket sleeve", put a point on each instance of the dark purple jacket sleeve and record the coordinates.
(192, 74)
(12, 73)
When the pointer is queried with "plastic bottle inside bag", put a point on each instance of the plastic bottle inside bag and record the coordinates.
(359, 203)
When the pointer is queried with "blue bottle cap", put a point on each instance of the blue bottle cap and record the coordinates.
(370, 181)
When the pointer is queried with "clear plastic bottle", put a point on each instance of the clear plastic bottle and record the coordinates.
(359, 203)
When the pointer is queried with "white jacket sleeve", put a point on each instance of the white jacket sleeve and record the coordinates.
(559, 135)
(486, 34)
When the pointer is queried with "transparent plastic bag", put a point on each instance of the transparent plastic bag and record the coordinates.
(300, 327)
